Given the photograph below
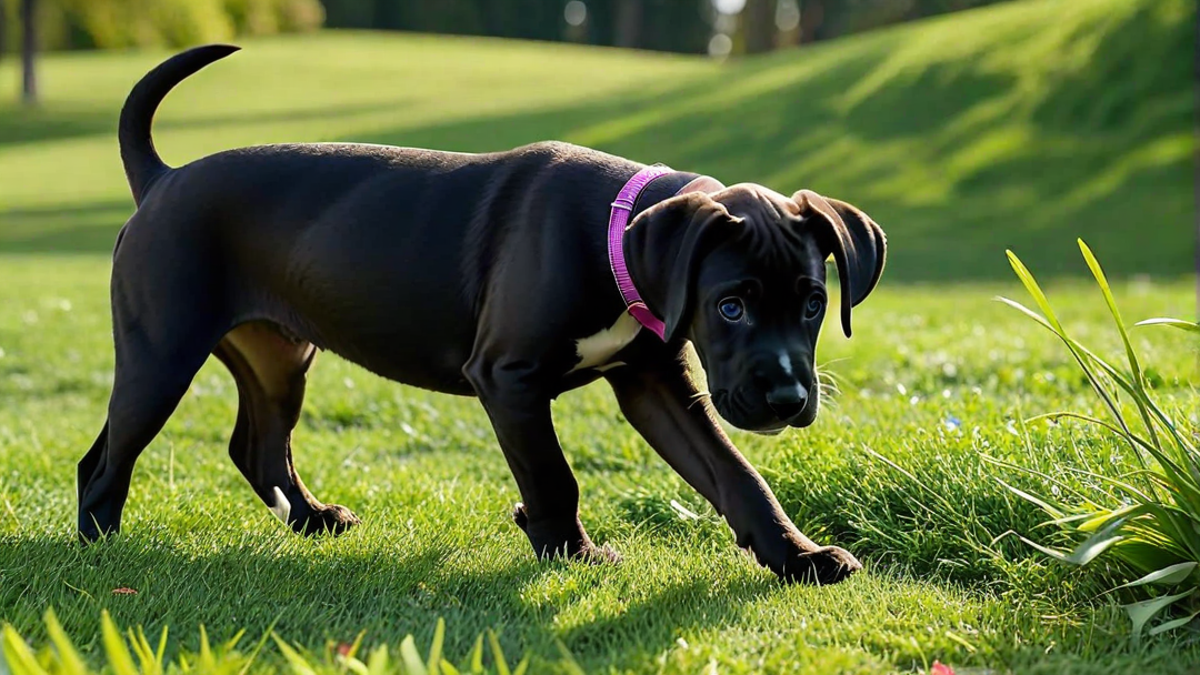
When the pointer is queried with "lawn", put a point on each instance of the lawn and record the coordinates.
(1019, 126)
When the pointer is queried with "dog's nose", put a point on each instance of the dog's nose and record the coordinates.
(787, 402)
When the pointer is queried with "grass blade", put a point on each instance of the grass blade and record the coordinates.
(17, 654)
(435, 649)
(570, 665)
(1170, 575)
(1173, 624)
(477, 656)
(119, 658)
(68, 657)
(1140, 613)
(1174, 323)
(378, 661)
(299, 664)
(413, 665)
(497, 653)
(1054, 512)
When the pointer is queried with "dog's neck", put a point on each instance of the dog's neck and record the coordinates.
(657, 190)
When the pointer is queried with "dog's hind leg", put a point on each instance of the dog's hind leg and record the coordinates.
(154, 367)
(271, 370)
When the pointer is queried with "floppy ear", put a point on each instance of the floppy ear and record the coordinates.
(663, 249)
(856, 242)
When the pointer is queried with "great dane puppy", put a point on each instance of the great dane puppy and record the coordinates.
(489, 275)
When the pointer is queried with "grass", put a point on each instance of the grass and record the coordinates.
(1019, 126)
(423, 472)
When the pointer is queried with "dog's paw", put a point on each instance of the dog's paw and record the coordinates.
(597, 555)
(562, 540)
(824, 566)
(329, 519)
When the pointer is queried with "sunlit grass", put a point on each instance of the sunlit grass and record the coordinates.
(934, 379)
(1021, 126)
(1147, 519)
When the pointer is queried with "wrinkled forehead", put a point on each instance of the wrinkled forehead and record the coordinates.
(778, 261)
(771, 242)
(754, 200)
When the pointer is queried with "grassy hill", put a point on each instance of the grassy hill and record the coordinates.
(1022, 125)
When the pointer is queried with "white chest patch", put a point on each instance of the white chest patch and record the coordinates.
(595, 350)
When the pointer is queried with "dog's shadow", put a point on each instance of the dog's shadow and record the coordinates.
(326, 596)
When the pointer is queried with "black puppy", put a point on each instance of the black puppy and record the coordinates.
(480, 275)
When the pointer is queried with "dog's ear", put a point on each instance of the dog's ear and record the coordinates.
(856, 242)
(663, 249)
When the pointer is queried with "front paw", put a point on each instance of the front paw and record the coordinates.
(327, 519)
(562, 539)
(824, 566)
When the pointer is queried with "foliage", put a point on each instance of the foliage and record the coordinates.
(115, 24)
(1148, 519)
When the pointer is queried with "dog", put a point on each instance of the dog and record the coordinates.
(510, 276)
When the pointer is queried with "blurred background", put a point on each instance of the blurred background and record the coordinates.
(717, 27)
(963, 126)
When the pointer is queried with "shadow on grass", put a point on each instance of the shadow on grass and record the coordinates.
(323, 595)
(80, 228)
(19, 124)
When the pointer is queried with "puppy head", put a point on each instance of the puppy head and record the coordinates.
(741, 273)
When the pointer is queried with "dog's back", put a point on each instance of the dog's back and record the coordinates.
(287, 232)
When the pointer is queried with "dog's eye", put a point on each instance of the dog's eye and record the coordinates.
(816, 304)
(731, 309)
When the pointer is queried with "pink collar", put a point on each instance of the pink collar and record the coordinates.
(618, 222)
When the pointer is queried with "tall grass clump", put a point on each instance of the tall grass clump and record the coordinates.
(1147, 520)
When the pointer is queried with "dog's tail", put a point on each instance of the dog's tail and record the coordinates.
(142, 163)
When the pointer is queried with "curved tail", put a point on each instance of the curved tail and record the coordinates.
(142, 163)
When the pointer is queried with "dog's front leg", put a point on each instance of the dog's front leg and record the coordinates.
(663, 404)
(549, 512)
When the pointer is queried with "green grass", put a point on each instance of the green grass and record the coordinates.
(1019, 126)
(424, 473)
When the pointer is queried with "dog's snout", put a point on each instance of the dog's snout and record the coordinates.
(787, 401)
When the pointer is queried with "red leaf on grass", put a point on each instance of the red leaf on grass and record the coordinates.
(940, 668)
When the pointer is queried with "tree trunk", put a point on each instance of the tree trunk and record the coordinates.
(812, 15)
(3, 30)
(29, 93)
(629, 23)
(759, 16)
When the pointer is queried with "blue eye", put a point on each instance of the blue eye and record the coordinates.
(816, 304)
(731, 309)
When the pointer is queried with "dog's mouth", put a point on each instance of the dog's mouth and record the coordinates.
(734, 408)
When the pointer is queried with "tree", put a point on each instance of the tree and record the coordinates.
(759, 21)
(3, 30)
(29, 93)
(812, 20)
(629, 23)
